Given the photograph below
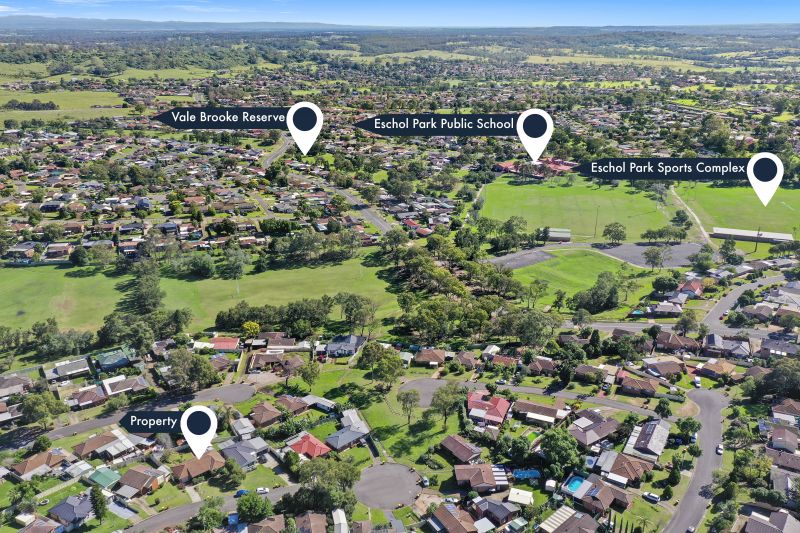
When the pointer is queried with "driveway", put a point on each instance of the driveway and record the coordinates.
(692, 508)
(386, 486)
(178, 516)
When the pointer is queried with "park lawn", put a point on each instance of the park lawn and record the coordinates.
(168, 496)
(75, 300)
(207, 297)
(576, 207)
(79, 298)
(167, 73)
(577, 270)
(739, 208)
(22, 71)
(71, 104)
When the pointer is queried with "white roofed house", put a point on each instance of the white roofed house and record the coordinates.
(243, 428)
(648, 440)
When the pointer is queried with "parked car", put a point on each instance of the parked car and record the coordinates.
(262, 490)
(240, 493)
(425, 481)
(693, 438)
(720, 449)
(451, 500)
(697, 382)
(501, 382)
(652, 498)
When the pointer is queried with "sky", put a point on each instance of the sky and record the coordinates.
(476, 13)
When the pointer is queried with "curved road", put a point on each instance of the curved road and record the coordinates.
(692, 508)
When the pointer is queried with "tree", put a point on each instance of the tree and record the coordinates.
(687, 322)
(388, 370)
(41, 444)
(201, 265)
(560, 297)
(535, 290)
(581, 318)
(22, 496)
(250, 329)
(41, 408)
(393, 242)
(663, 408)
(446, 400)
(408, 400)
(309, 372)
(231, 474)
(99, 502)
(209, 516)
(190, 371)
(614, 233)
(561, 451)
(738, 438)
(236, 260)
(666, 494)
(253, 508)
(654, 257)
(79, 257)
(688, 426)
(291, 526)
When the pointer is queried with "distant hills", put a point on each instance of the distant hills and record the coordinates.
(29, 23)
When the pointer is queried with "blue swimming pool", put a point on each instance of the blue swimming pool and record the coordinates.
(574, 483)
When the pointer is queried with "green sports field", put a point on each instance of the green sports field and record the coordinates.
(81, 301)
(740, 208)
(576, 207)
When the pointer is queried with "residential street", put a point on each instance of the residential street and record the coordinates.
(178, 516)
(726, 302)
(230, 394)
(693, 505)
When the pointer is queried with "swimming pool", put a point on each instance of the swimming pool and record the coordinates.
(574, 483)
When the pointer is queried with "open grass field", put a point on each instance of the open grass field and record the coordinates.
(602, 60)
(21, 71)
(80, 298)
(740, 208)
(169, 73)
(576, 270)
(71, 104)
(576, 207)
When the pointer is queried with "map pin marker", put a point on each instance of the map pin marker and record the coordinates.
(305, 122)
(765, 172)
(199, 426)
(535, 127)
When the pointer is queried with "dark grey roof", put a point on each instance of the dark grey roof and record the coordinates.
(73, 509)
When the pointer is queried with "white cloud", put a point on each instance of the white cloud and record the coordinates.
(8, 9)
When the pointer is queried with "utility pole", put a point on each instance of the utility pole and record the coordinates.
(596, 217)
(758, 236)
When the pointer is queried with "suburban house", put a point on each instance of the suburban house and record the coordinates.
(344, 345)
(243, 428)
(265, 360)
(787, 411)
(307, 445)
(73, 511)
(481, 477)
(591, 427)
(668, 341)
(9, 413)
(112, 445)
(246, 453)
(464, 451)
(225, 344)
(784, 439)
(104, 477)
(141, 479)
(648, 440)
(589, 374)
(121, 383)
(68, 369)
(430, 357)
(85, 397)
(41, 464)
(568, 520)
(272, 524)
(778, 348)
(542, 366)
(716, 368)
(536, 413)
(354, 430)
(209, 462)
(718, 346)
(309, 522)
(468, 360)
(597, 496)
(621, 469)
(637, 386)
(777, 522)
(449, 518)
(482, 408)
(292, 404)
(498, 513)
(665, 367)
(265, 414)
(42, 524)
(14, 384)
(116, 358)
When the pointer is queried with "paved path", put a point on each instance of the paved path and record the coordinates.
(178, 516)
(230, 394)
(692, 508)
(385, 486)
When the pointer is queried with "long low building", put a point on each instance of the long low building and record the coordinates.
(750, 235)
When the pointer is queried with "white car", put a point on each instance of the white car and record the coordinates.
(652, 498)
(720, 449)
(262, 490)
(451, 500)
